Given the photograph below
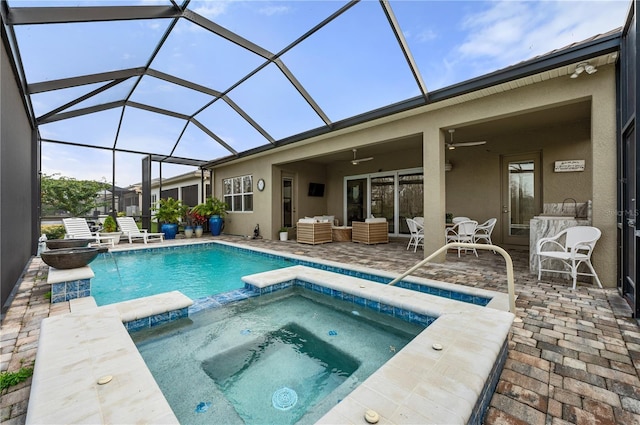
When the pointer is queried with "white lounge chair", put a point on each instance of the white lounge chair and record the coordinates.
(78, 228)
(572, 247)
(130, 229)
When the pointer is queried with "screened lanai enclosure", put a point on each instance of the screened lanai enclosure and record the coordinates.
(141, 92)
(189, 82)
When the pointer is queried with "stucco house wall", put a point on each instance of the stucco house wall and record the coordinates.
(592, 138)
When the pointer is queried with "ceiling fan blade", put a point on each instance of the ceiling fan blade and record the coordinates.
(465, 144)
(359, 160)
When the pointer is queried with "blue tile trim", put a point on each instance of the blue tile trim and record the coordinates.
(157, 319)
(477, 300)
(70, 290)
(482, 404)
(398, 312)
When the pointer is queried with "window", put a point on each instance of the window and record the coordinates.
(169, 193)
(190, 195)
(238, 193)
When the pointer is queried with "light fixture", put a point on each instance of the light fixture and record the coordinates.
(583, 67)
(448, 166)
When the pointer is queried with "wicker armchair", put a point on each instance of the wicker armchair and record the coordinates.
(313, 232)
(371, 231)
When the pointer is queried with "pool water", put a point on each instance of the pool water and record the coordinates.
(283, 358)
(196, 272)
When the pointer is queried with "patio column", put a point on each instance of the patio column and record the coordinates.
(603, 153)
(434, 190)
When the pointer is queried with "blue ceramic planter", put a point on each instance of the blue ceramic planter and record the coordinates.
(215, 224)
(170, 230)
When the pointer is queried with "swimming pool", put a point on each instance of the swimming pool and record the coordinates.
(200, 270)
(286, 357)
(196, 270)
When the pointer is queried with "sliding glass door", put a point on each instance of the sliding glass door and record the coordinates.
(383, 199)
(357, 200)
(410, 199)
(393, 195)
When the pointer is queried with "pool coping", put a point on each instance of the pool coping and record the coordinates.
(88, 369)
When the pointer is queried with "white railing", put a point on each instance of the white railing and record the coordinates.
(505, 254)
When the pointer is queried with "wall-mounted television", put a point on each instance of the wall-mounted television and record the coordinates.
(316, 189)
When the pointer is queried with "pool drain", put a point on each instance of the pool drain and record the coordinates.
(284, 398)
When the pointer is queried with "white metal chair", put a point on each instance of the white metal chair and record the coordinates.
(78, 228)
(484, 230)
(572, 247)
(417, 234)
(129, 227)
(462, 231)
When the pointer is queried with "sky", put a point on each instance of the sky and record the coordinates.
(350, 66)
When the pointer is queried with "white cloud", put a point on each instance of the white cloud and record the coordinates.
(273, 10)
(426, 36)
(211, 9)
(511, 31)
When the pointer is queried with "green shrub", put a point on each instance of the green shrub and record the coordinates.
(109, 225)
(9, 379)
(53, 231)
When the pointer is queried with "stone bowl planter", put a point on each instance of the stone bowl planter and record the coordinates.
(68, 243)
(69, 258)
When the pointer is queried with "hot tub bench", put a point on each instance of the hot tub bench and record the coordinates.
(77, 349)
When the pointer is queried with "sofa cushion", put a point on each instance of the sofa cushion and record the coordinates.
(375, 220)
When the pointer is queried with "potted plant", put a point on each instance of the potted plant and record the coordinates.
(284, 233)
(214, 209)
(195, 220)
(110, 229)
(168, 212)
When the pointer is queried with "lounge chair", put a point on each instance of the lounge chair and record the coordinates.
(130, 229)
(78, 228)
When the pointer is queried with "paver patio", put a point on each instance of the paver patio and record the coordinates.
(574, 358)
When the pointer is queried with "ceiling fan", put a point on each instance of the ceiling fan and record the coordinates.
(356, 161)
(452, 145)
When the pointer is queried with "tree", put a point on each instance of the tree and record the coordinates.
(77, 197)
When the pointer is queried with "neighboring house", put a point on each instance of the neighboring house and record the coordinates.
(529, 119)
(192, 188)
